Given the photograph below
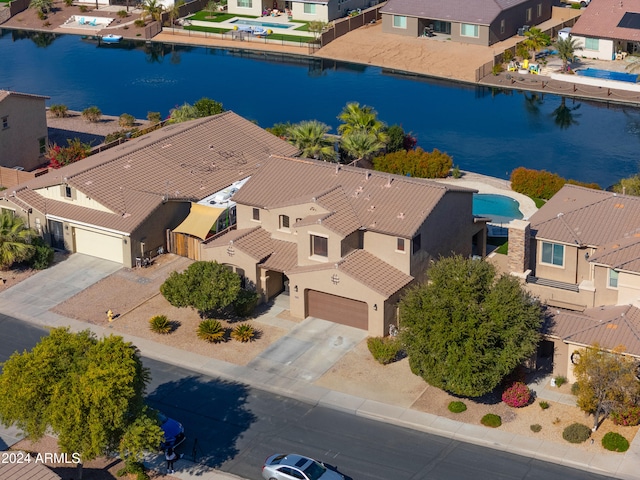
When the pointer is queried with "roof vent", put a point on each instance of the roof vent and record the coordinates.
(372, 208)
(401, 215)
(559, 215)
(359, 189)
(211, 147)
(337, 169)
(166, 145)
(367, 175)
(388, 181)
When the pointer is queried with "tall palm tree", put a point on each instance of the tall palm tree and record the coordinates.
(174, 11)
(566, 48)
(152, 8)
(310, 137)
(357, 119)
(15, 240)
(535, 40)
(361, 145)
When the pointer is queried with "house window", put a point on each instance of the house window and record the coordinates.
(256, 214)
(310, 8)
(245, 3)
(591, 44)
(9, 212)
(399, 21)
(400, 245)
(67, 191)
(613, 278)
(553, 254)
(284, 222)
(467, 30)
(527, 16)
(5, 122)
(502, 26)
(416, 243)
(539, 10)
(319, 246)
(42, 145)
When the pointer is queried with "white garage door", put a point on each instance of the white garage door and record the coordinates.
(99, 245)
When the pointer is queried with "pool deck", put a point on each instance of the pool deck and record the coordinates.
(497, 186)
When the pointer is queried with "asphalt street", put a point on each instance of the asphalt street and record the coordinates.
(234, 428)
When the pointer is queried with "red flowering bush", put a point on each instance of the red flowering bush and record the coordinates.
(415, 163)
(59, 156)
(540, 183)
(517, 395)
(629, 417)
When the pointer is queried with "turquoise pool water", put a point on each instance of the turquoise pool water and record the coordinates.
(609, 75)
(241, 21)
(499, 208)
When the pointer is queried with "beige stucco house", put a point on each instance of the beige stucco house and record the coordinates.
(119, 204)
(580, 254)
(344, 241)
(23, 130)
(306, 10)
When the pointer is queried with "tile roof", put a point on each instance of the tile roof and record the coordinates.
(582, 216)
(27, 471)
(390, 204)
(622, 255)
(367, 269)
(184, 162)
(601, 20)
(9, 93)
(255, 242)
(478, 12)
(283, 258)
(609, 327)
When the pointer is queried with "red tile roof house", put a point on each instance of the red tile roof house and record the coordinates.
(344, 241)
(608, 27)
(581, 252)
(480, 22)
(23, 129)
(119, 204)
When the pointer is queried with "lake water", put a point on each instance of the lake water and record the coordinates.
(484, 130)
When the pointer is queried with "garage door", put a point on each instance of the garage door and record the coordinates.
(98, 245)
(337, 309)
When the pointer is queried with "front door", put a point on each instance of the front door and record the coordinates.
(56, 231)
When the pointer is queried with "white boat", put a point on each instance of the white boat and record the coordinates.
(111, 38)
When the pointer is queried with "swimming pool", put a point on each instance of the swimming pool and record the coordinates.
(242, 21)
(608, 75)
(499, 208)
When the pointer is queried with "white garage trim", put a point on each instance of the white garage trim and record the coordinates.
(82, 224)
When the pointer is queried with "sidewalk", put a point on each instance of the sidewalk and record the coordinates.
(20, 303)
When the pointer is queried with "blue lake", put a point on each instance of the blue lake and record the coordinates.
(484, 130)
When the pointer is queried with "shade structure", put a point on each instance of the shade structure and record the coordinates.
(200, 220)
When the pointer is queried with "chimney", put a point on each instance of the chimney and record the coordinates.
(519, 246)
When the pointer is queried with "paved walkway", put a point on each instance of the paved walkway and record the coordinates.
(292, 378)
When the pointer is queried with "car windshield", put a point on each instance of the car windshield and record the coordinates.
(314, 471)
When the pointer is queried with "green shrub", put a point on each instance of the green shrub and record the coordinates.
(576, 433)
(211, 331)
(41, 15)
(384, 350)
(139, 23)
(59, 110)
(615, 442)
(560, 380)
(540, 183)
(42, 255)
(160, 324)
(457, 407)
(576, 6)
(544, 405)
(628, 415)
(497, 68)
(125, 133)
(456, 173)
(126, 120)
(83, 8)
(122, 14)
(535, 428)
(243, 333)
(92, 114)
(575, 389)
(68, 3)
(134, 468)
(415, 163)
(491, 420)
(245, 303)
(154, 117)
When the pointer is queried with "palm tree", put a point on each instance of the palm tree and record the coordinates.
(310, 137)
(174, 11)
(153, 8)
(357, 119)
(43, 6)
(535, 40)
(361, 145)
(15, 240)
(566, 48)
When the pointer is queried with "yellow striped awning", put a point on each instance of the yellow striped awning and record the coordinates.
(200, 220)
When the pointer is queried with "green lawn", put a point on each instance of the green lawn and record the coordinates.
(207, 29)
(5, 1)
(539, 202)
(217, 17)
(274, 36)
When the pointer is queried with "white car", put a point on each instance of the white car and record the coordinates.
(564, 34)
(583, 3)
(296, 467)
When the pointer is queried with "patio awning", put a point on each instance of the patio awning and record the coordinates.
(200, 220)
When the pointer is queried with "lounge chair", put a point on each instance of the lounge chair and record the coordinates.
(93, 22)
(81, 21)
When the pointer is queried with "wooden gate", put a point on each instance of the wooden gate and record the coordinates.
(183, 245)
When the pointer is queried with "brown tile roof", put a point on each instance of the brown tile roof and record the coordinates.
(581, 216)
(9, 93)
(390, 204)
(27, 471)
(184, 162)
(609, 327)
(478, 12)
(367, 269)
(283, 258)
(622, 255)
(601, 18)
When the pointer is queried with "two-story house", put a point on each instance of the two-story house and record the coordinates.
(306, 10)
(23, 130)
(119, 204)
(345, 241)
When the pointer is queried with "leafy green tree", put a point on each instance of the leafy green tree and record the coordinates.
(310, 137)
(205, 286)
(606, 381)
(535, 39)
(43, 6)
(316, 27)
(88, 392)
(566, 48)
(212, 7)
(15, 240)
(396, 140)
(466, 329)
(206, 107)
(361, 146)
(628, 186)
